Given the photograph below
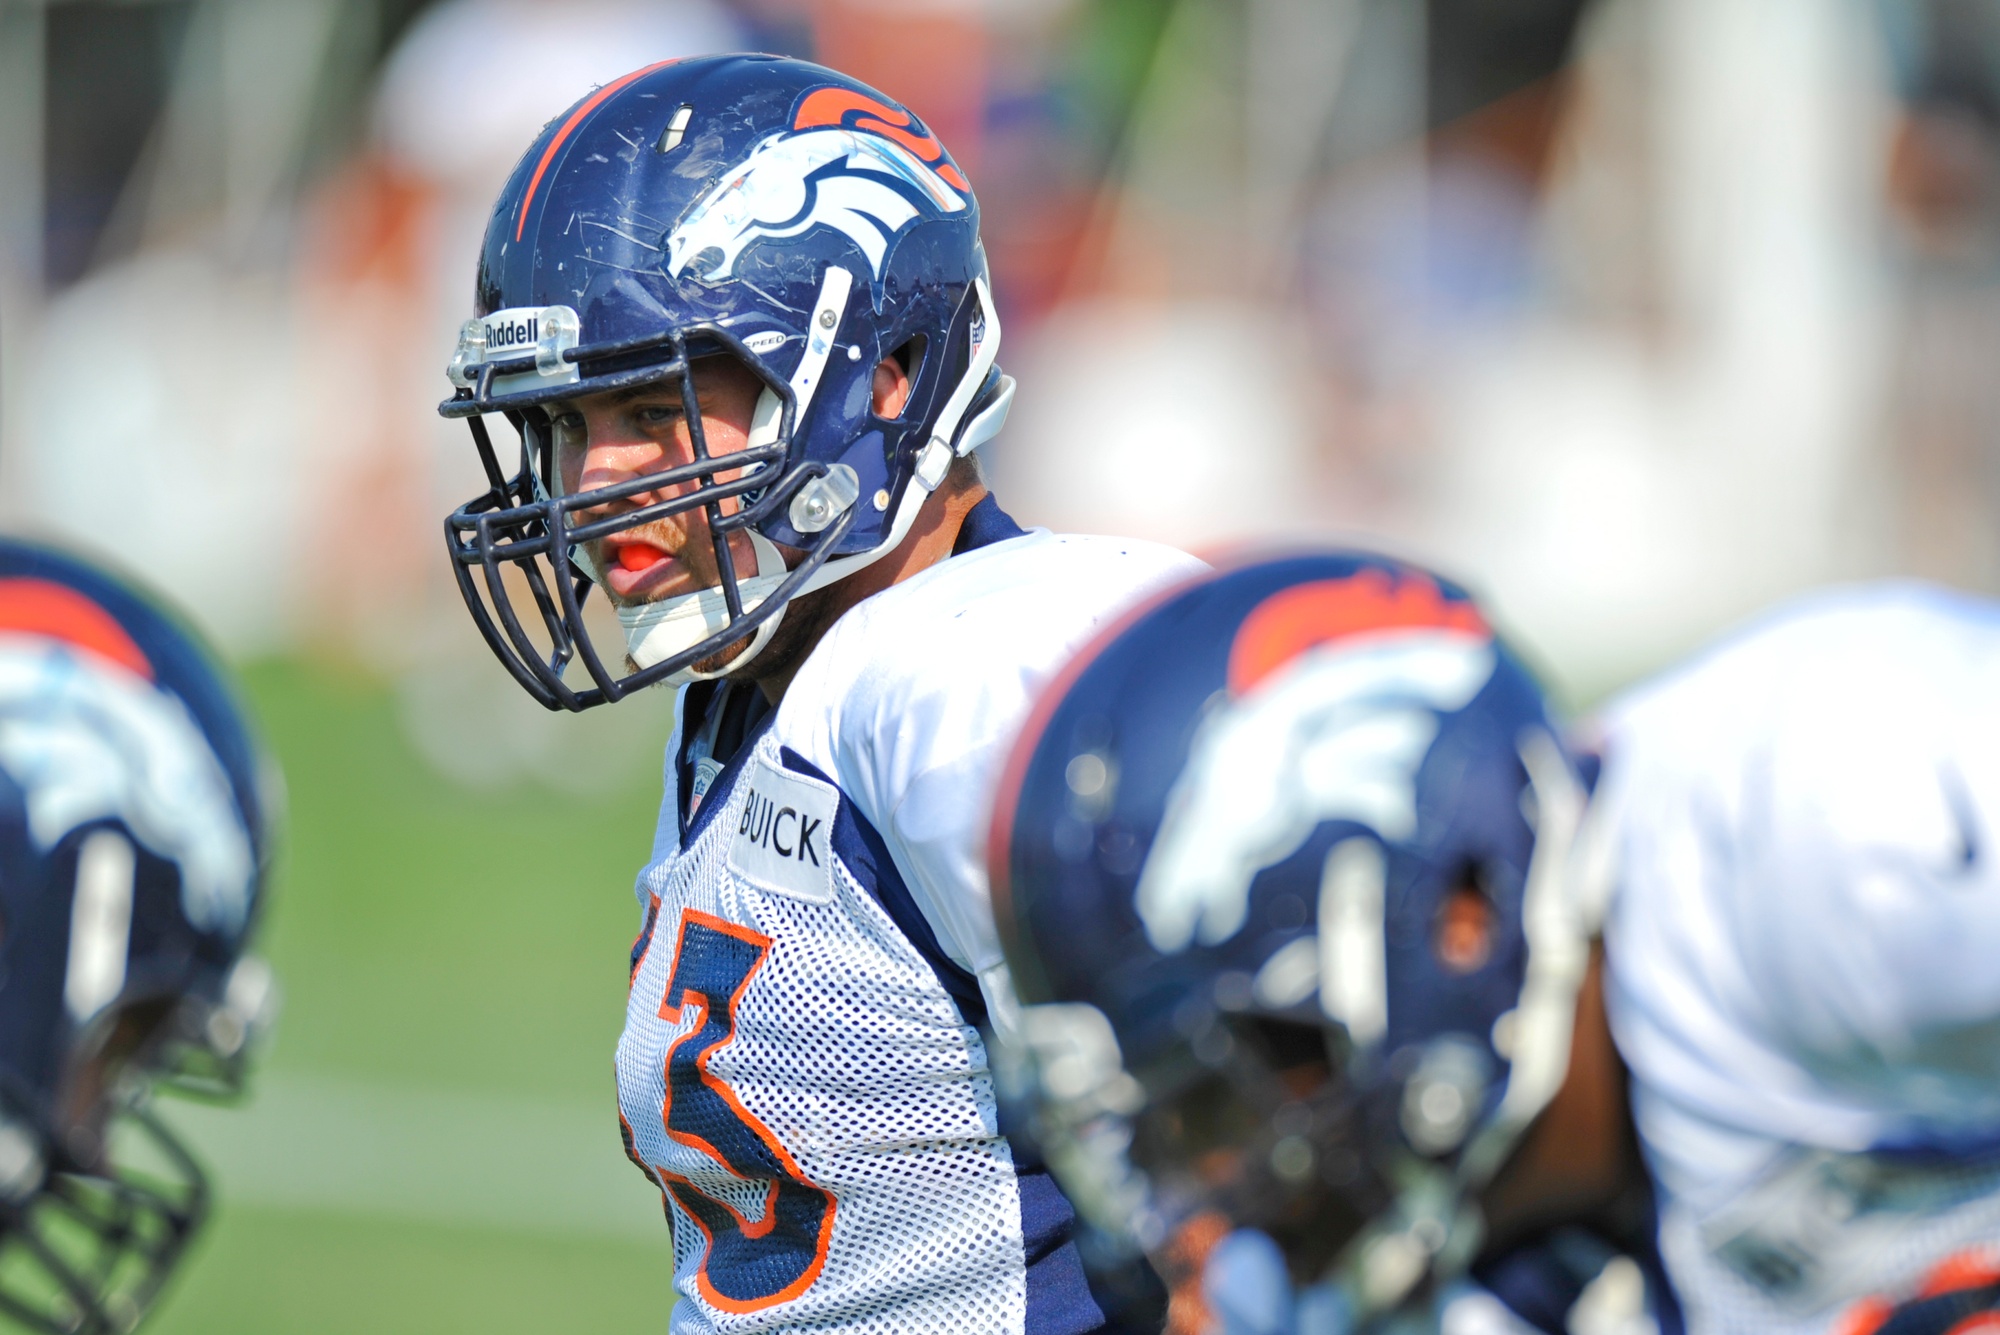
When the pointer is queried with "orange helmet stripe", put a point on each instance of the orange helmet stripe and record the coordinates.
(58, 612)
(1287, 624)
(831, 106)
(590, 104)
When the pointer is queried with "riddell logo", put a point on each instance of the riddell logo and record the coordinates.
(783, 830)
(513, 333)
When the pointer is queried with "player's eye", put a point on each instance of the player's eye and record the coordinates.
(570, 424)
(657, 415)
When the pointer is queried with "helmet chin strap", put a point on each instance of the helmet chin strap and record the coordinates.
(655, 632)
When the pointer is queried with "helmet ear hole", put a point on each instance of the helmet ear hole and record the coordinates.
(910, 356)
(1466, 923)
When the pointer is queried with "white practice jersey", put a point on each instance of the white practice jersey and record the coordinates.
(801, 1071)
(1803, 948)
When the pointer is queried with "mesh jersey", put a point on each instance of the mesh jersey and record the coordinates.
(800, 1071)
(1800, 948)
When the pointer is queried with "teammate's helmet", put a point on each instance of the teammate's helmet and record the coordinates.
(739, 206)
(132, 856)
(1276, 865)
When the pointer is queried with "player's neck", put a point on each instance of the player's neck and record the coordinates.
(1580, 1158)
(929, 541)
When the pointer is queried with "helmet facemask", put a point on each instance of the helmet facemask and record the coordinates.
(98, 1197)
(1255, 1125)
(89, 1250)
(535, 621)
(1250, 1121)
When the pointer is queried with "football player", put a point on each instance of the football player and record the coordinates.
(738, 312)
(133, 847)
(1792, 834)
(1280, 867)
(1796, 834)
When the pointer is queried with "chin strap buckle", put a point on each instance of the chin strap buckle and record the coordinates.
(824, 499)
(933, 463)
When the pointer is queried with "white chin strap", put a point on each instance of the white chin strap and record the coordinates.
(655, 632)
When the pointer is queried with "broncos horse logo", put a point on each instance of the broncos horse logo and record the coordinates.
(1335, 689)
(849, 162)
(87, 735)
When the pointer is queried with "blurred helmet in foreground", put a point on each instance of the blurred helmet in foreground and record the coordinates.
(749, 207)
(132, 858)
(1277, 864)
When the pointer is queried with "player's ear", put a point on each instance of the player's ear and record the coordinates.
(1465, 927)
(892, 387)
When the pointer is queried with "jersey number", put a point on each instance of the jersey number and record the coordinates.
(751, 1263)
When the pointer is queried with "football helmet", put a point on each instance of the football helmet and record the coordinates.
(133, 811)
(742, 206)
(1278, 867)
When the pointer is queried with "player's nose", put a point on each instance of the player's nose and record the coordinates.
(609, 461)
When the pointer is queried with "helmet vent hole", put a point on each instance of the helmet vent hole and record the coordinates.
(670, 138)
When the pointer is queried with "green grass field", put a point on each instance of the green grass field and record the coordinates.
(433, 1142)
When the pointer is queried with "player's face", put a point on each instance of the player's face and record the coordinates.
(605, 439)
(609, 438)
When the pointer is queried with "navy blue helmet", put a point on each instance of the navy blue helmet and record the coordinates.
(749, 207)
(1277, 867)
(133, 847)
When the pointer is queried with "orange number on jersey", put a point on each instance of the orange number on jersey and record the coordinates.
(751, 1263)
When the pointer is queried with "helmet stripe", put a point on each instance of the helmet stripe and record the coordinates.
(57, 612)
(1298, 618)
(589, 105)
(832, 106)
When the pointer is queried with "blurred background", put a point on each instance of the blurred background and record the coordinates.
(1633, 314)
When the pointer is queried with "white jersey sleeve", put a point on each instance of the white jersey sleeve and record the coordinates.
(1800, 946)
(913, 700)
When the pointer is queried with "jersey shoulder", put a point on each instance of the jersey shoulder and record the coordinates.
(1859, 652)
(1804, 822)
(999, 619)
(911, 701)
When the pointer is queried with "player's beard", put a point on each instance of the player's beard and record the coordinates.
(677, 536)
(806, 622)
